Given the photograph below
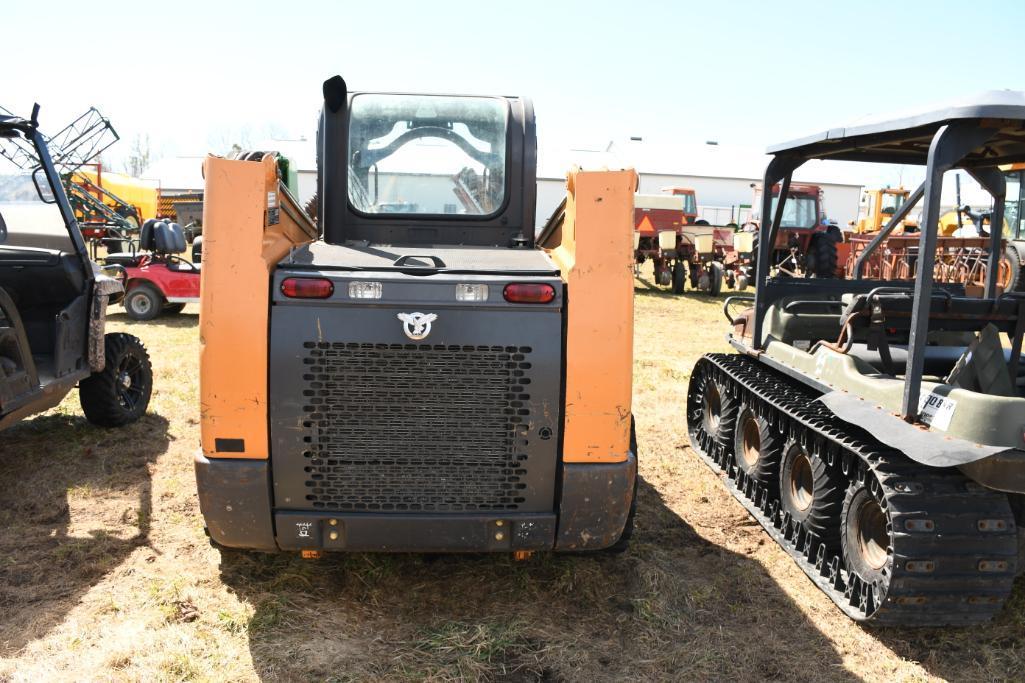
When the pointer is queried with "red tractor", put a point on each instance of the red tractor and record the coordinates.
(806, 244)
(158, 280)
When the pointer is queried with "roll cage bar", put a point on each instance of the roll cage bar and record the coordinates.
(976, 135)
(29, 129)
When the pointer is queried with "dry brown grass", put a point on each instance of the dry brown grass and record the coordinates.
(105, 572)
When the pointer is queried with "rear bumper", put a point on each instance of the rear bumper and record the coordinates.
(235, 499)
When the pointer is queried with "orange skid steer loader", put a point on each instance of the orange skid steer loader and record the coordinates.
(416, 370)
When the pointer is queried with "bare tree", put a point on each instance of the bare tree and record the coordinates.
(139, 158)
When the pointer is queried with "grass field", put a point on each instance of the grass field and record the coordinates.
(105, 572)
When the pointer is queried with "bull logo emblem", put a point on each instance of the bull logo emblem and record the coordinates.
(417, 325)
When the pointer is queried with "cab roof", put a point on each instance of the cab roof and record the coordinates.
(905, 139)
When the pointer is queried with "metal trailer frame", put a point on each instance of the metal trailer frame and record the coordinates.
(977, 135)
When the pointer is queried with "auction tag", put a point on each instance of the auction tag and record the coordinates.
(936, 411)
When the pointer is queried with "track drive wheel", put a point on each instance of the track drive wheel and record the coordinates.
(679, 277)
(757, 448)
(143, 302)
(120, 393)
(821, 259)
(812, 492)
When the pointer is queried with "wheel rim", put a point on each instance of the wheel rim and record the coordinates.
(750, 440)
(130, 383)
(711, 408)
(871, 533)
(801, 481)
(141, 304)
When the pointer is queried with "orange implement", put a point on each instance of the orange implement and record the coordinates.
(594, 252)
(250, 222)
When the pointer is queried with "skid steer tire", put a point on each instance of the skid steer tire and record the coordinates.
(119, 394)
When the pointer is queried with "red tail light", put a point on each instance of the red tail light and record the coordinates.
(528, 293)
(307, 288)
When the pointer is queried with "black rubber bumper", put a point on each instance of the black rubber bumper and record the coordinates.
(235, 499)
(595, 503)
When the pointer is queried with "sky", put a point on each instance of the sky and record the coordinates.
(199, 76)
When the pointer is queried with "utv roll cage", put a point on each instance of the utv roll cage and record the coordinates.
(976, 135)
(13, 126)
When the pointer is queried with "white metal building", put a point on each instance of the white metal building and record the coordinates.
(722, 177)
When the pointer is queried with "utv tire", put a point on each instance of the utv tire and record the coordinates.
(821, 259)
(174, 309)
(679, 277)
(119, 394)
(143, 302)
(623, 542)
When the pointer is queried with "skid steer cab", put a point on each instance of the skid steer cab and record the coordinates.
(419, 372)
(53, 299)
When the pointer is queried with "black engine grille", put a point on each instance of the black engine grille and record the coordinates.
(408, 427)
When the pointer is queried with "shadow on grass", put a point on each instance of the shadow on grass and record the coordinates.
(673, 607)
(994, 651)
(74, 503)
(647, 288)
(178, 320)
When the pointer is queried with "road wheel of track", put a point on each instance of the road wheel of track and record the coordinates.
(821, 258)
(812, 492)
(679, 277)
(757, 448)
(714, 279)
(623, 542)
(120, 393)
(143, 302)
(866, 536)
(718, 412)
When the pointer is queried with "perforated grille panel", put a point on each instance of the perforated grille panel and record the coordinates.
(411, 427)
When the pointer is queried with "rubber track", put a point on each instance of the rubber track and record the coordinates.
(954, 541)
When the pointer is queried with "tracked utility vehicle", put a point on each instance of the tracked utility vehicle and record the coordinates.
(877, 429)
(416, 371)
(53, 300)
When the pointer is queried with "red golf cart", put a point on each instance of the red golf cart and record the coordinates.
(158, 280)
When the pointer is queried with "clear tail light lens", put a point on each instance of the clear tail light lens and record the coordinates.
(471, 292)
(365, 290)
(528, 293)
(307, 288)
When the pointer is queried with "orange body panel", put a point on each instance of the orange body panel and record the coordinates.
(594, 252)
(249, 224)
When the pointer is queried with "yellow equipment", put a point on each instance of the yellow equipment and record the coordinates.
(878, 206)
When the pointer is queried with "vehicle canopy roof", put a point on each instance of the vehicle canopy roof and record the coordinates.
(905, 139)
